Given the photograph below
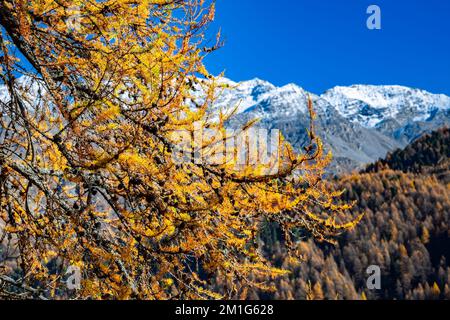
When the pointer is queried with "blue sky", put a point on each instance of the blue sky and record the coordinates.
(319, 44)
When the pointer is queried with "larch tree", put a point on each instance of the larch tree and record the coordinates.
(95, 94)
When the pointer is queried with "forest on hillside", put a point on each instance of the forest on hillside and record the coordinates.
(405, 230)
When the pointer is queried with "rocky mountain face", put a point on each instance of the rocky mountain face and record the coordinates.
(359, 124)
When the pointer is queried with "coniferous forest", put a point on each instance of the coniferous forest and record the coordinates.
(405, 230)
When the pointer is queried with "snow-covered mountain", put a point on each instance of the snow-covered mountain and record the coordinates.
(370, 106)
(360, 123)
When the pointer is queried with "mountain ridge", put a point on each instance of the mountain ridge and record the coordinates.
(358, 123)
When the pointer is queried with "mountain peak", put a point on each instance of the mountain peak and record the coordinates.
(371, 105)
(359, 123)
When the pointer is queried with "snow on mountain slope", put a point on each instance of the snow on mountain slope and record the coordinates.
(367, 105)
(360, 123)
(245, 94)
(260, 98)
(371, 105)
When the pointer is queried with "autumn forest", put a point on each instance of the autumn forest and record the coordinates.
(95, 203)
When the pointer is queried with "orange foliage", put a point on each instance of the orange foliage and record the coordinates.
(86, 153)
